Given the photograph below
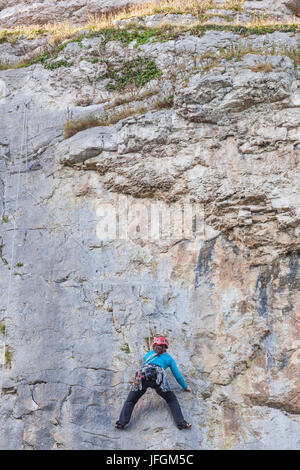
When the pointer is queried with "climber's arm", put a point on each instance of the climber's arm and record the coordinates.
(178, 375)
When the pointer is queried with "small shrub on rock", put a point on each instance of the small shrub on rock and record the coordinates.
(73, 126)
(138, 72)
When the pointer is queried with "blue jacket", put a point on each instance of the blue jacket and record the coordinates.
(164, 361)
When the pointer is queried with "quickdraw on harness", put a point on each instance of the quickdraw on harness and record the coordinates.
(151, 373)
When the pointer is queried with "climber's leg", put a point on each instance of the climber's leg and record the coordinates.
(128, 406)
(174, 406)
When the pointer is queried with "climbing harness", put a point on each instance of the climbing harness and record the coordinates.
(160, 374)
(151, 373)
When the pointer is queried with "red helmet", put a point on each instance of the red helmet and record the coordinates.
(161, 341)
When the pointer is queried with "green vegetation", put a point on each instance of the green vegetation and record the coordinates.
(256, 29)
(126, 348)
(42, 58)
(59, 32)
(136, 33)
(3, 36)
(105, 24)
(56, 65)
(211, 59)
(138, 72)
(1, 246)
(2, 328)
(16, 65)
(235, 5)
(142, 35)
(19, 265)
(12, 36)
(4, 261)
(8, 357)
(47, 56)
(4, 219)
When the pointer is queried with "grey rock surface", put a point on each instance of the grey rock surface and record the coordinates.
(86, 279)
(20, 12)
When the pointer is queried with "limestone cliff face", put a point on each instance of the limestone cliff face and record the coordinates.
(177, 213)
(28, 12)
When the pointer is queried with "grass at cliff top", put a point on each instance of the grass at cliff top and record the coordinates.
(65, 30)
(202, 10)
(143, 35)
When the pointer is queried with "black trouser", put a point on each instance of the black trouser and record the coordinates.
(133, 398)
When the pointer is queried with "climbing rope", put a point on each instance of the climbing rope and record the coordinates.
(24, 150)
(3, 362)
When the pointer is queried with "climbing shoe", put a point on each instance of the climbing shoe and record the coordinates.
(184, 425)
(118, 425)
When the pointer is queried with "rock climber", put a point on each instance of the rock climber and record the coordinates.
(152, 374)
